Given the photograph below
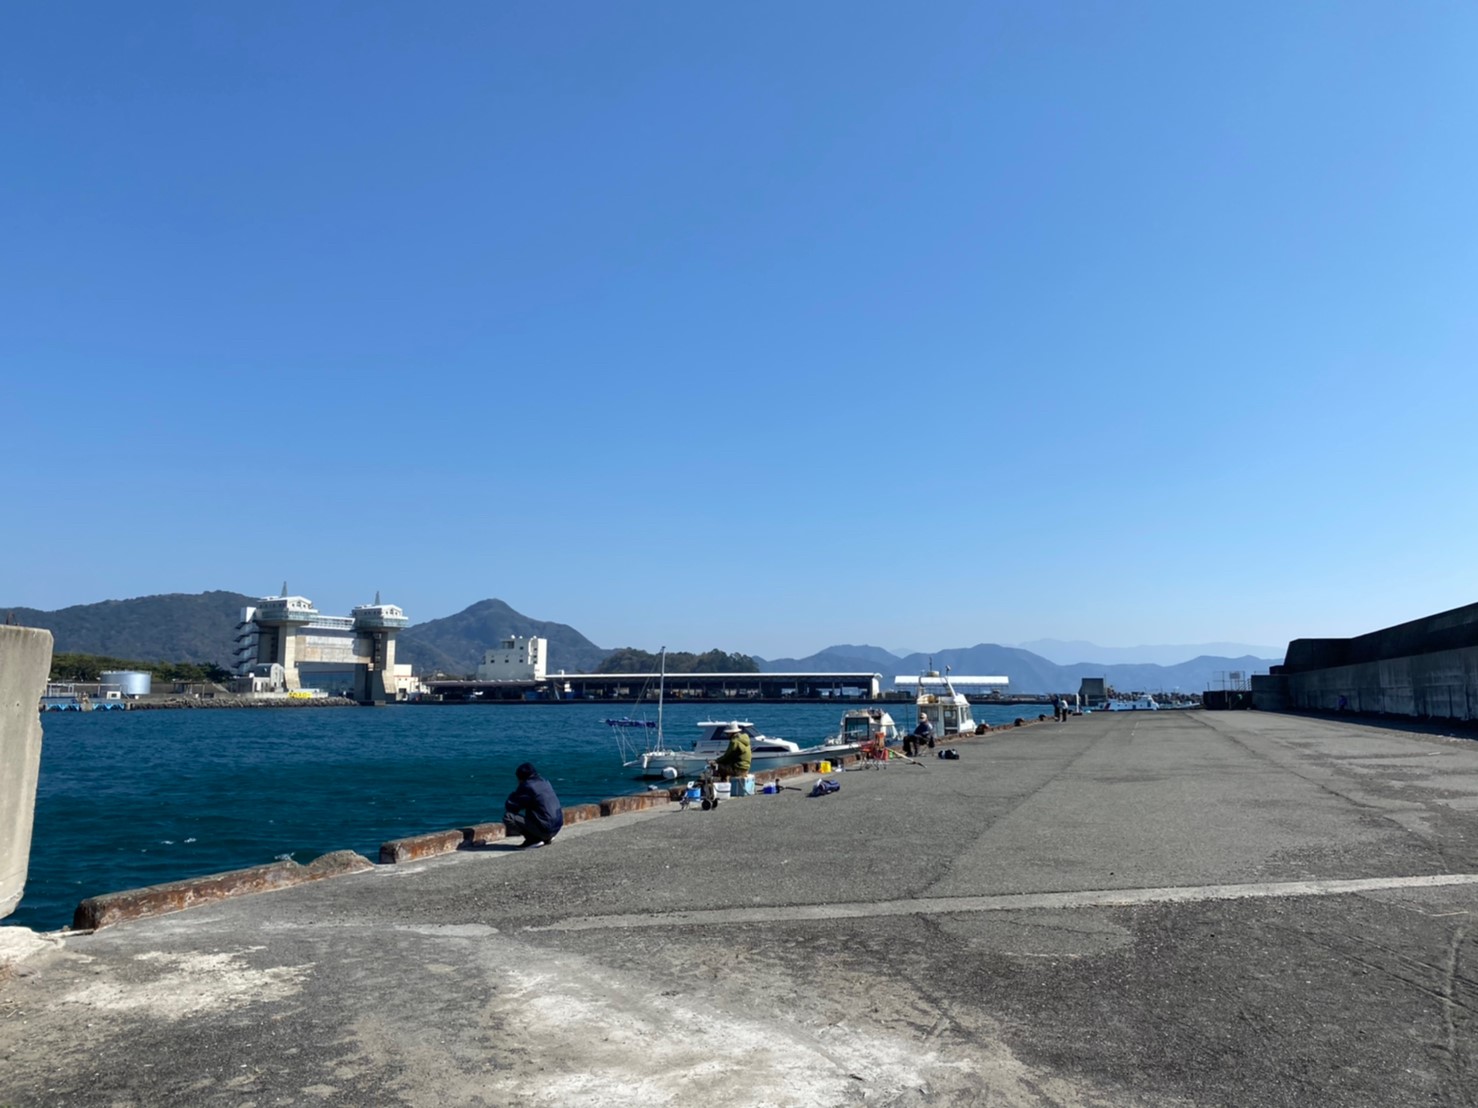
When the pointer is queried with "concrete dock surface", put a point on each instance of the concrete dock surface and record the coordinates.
(1173, 908)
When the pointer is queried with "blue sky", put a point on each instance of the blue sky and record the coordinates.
(758, 326)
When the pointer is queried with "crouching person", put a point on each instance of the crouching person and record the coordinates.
(532, 810)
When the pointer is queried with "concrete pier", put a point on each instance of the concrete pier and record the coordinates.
(1172, 908)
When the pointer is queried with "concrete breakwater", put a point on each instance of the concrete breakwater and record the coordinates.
(231, 701)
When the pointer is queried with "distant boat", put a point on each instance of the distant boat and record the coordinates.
(1144, 703)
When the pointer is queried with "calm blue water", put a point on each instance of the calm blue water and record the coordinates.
(127, 799)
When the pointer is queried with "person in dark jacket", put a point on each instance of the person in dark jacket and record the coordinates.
(532, 810)
(921, 735)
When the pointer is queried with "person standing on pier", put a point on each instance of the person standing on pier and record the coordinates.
(532, 810)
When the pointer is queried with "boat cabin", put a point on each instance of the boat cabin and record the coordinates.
(948, 712)
(862, 725)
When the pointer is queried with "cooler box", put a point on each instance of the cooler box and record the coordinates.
(741, 786)
(721, 790)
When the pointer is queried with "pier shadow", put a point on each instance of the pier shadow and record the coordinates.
(1442, 728)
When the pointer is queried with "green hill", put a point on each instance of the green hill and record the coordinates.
(454, 645)
(174, 627)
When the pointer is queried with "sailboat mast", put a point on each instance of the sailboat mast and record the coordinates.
(661, 694)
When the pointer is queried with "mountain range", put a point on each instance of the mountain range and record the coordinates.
(1028, 672)
(1067, 653)
(199, 627)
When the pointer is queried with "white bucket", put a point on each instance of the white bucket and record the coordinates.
(721, 790)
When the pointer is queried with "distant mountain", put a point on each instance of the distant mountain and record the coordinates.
(174, 627)
(1027, 672)
(455, 644)
(1196, 675)
(835, 659)
(1068, 653)
(199, 627)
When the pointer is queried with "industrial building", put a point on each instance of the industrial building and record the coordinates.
(515, 659)
(285, 645)
(1093, 692)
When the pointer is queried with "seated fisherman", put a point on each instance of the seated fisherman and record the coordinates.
(735, 760)
(922, 734)
(532, 810)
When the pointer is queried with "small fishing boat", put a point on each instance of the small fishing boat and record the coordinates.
(946, 710)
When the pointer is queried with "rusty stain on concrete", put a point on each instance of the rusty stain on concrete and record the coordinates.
(156, 900)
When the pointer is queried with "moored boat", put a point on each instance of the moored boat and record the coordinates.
(765, 752)
(947, 711)
(1144, 703)
(863, 725)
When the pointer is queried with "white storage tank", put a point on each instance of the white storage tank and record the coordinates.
(130, 682)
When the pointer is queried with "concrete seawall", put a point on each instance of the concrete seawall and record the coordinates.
(1426, 669)
(25, 661)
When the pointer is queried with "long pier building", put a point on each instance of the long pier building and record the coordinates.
(679, 686)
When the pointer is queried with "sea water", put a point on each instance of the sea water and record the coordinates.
(127, 799)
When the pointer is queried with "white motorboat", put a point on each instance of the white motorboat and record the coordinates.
(947, 711)
(765, 752)
(1144, 703)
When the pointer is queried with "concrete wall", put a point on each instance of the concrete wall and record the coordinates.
(1440, 685)
(1269, 692)
(1450, 630)
(1426, 668)
(25, 661)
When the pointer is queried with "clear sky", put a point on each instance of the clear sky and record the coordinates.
(760, 326)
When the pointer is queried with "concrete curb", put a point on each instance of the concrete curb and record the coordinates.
(481, 834)
(416, 847)
(156, 900)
